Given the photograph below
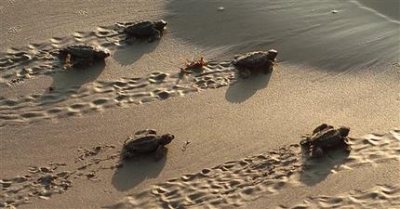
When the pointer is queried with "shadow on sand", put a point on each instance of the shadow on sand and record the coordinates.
(316, 170)
(132, 52)
(69, 81)
(137, 170)
(243, 89)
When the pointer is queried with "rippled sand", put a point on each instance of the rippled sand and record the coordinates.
(61, 130)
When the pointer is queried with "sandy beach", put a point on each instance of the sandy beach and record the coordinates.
(236, 140)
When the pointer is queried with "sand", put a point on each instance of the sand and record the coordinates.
(236, 140)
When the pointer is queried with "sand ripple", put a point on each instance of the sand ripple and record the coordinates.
(382, 196)
(230, 184)
(235, 182)
(101, 95)
(18, 64)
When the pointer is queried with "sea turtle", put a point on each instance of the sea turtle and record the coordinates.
(82, 55)
(145, 142)
(255, 61)
(324, 138)
(146, 30)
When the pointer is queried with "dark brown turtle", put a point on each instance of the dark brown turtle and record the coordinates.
(146, 142)
(255, 61)
(148, 30)
(326, 137)
(82, 55)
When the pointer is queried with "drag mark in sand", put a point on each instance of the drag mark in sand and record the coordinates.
(236, 182)
(230, 184)
(56, 178)
(100, 95)
(381, 196)
(19, 64)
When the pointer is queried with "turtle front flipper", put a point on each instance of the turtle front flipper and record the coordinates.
(156, 36)
(269, 67)
(160, 153)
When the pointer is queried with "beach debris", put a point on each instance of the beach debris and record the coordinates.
(221, 9)
(145, 142)
(255, 61)
(193, 65)
(324, 138)
(334, 11)
(185, 145)
(79, 56)
(146, 30)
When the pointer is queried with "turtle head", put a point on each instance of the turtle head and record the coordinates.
(160, 25)
(344, 131)
(166, 139)
(272, 53)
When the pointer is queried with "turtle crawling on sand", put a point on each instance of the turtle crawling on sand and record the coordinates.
(326, 137)
(255, 61)
(82, 55)
(146, 30)
(145, 142)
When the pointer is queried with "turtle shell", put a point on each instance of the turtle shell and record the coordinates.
(144, 144)
(81, 51)
(328, 138)
(252, 60)
(145, 28)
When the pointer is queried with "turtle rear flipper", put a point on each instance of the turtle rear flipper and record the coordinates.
(127, 155)
(244, 73)
(317, 152)
(305, 142)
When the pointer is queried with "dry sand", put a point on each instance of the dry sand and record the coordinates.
(235, 140)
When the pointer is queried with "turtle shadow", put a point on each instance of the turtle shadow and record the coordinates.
(69, 81)
(131, 52)
(243, 89)
(316, 170)
(134, 171)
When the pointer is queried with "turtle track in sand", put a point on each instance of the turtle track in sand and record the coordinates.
(236, 182)
(100, 95)
(380, 196)
(230, 184)
(19, 64)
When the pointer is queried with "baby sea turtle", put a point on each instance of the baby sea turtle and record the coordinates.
(326, 137)
(82, 55)
(255, 61)
(146, 30)
(146, 142)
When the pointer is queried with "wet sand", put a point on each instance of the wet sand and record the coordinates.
(236, 140)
